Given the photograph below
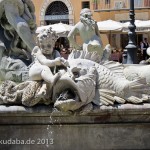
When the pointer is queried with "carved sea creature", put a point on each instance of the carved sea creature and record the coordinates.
(133, 72)
(88, 81)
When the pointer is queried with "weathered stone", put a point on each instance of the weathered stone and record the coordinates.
(121, 127)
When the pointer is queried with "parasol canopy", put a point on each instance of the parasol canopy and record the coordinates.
(141, 26)
(59, 28)
(109, 25)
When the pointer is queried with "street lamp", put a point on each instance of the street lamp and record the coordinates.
(131, 47)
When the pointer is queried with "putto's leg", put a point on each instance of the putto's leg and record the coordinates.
(47, 75)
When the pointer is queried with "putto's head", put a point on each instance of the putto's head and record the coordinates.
(86, 13)
(46, 40)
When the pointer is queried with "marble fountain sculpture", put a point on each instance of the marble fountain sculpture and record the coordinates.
(84, 80)
(33, 74)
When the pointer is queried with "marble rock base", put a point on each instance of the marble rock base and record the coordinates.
(120, 127)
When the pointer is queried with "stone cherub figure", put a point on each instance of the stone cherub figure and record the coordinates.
(46, 58)
(88, 30)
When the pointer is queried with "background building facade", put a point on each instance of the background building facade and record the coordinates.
(68, 11)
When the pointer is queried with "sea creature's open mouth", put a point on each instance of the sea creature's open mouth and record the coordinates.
(66, 95)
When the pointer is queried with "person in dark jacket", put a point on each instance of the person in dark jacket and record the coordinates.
(144, 46)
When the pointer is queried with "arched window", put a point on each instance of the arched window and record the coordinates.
(57, 12)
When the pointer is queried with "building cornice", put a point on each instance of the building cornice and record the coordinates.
(123, 9)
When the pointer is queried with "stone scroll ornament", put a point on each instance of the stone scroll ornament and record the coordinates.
(84, 83)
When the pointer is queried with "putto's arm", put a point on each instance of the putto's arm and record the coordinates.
(44, 61)
(71, 37)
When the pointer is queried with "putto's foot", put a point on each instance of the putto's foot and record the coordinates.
(56, 77)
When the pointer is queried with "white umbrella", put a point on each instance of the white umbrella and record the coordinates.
(59, 28)
(109, 25)
(141, 26)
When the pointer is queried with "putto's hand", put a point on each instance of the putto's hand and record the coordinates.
(61, 61)
(64, 62)
(58, 61)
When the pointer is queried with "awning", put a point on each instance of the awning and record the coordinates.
(109, 25)
(141, 26)
(60, 28)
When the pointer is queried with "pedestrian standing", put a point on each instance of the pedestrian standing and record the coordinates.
(144, 46)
